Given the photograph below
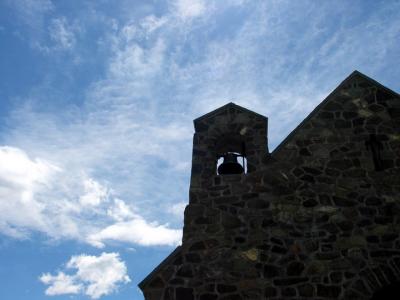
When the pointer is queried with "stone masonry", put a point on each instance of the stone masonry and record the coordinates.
(318, 218)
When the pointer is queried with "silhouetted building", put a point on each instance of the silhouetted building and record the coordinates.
(318, 218)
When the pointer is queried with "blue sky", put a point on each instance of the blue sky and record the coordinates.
(97, 103)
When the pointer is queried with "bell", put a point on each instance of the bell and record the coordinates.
(230, 165)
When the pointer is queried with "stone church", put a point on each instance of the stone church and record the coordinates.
(317, 218)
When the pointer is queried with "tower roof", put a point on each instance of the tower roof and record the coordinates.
(227, 108)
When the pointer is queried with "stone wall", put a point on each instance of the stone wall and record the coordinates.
(318, 218)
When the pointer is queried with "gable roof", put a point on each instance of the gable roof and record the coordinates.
(226, 107)
(351, 77)
(157, 269)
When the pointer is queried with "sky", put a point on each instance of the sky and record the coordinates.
(97, 100)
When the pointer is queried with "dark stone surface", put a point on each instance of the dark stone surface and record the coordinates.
(157, 283)
(306, 290)
(329, 291)
(271, 271)
(184, 294)
(231, 297)
(185, 271)
(290, 281)
(295, 268)
(225, 288)
(270, 292)
(316, 219)
(209, 297)
(288, 292)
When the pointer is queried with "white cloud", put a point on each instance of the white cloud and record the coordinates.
(120, 211)
(36, 195)
(137, 231)
(95, 276)
(60, 284)
(189, 8)
(177, 209)
(95, 193)
(20, 179)
(18, 168)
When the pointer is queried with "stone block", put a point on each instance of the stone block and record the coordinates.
(328, 291)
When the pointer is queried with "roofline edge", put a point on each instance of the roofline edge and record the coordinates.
(323, 102)
(143, 283)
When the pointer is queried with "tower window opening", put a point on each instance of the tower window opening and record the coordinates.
(375, 146)
(231, 163)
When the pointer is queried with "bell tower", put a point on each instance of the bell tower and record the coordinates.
(235, 134)
(219, 238)
(230, 129)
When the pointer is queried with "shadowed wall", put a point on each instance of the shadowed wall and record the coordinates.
(318, 218)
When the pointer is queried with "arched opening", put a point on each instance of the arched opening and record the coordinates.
(391, 291)
(231, 163)
(231, 154)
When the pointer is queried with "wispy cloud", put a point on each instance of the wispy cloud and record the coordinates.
(94, 276)
(62, 33)
(32, 12)
(129, 136)
(46, 31)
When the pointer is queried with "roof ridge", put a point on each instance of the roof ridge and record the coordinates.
(230, 104)
(366, 77)
(327, 98)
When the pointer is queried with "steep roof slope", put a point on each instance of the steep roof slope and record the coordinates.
(354, 76)
(169, 259)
